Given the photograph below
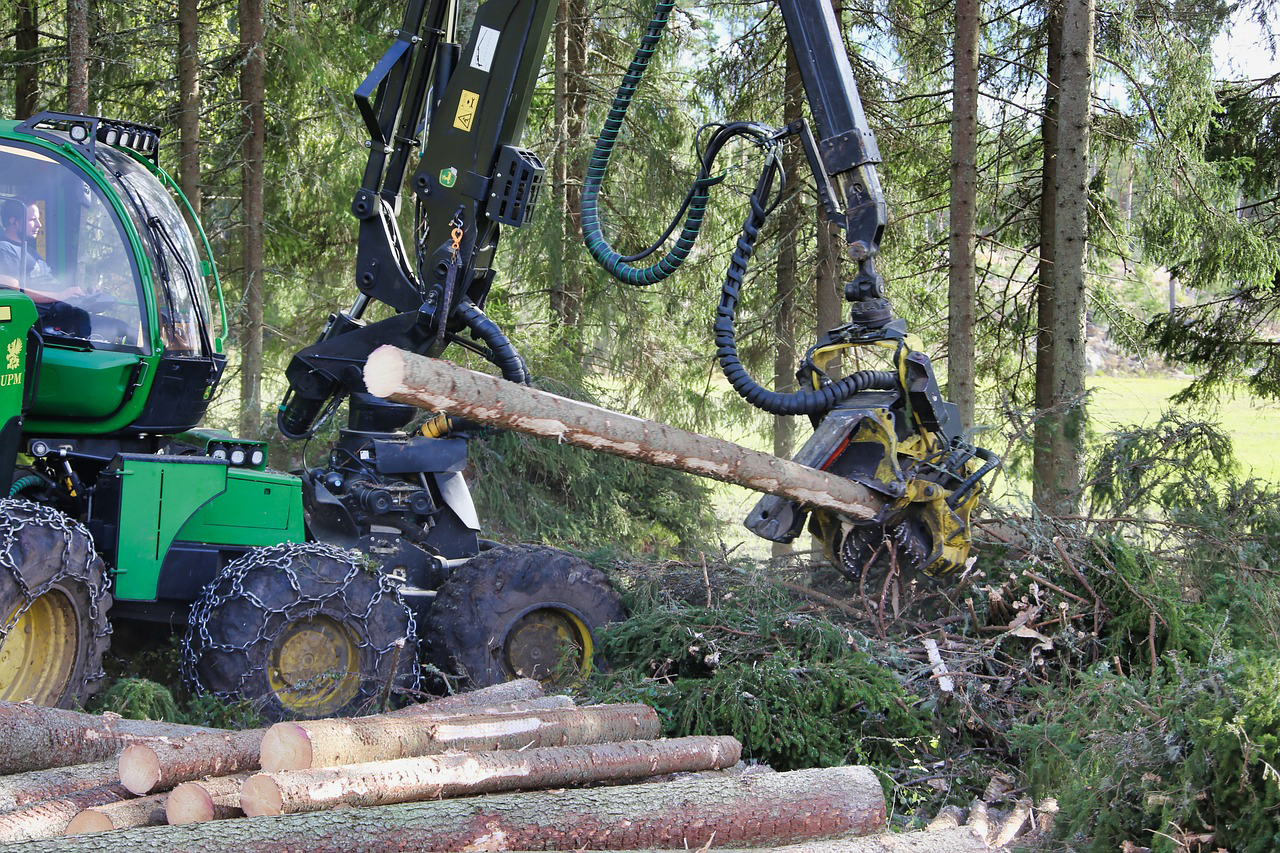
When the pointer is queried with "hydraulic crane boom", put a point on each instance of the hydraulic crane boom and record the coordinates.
(464, 106)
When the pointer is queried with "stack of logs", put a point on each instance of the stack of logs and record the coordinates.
(127, 778)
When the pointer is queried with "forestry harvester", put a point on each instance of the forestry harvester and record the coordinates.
(308, 592)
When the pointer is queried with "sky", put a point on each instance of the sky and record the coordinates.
(1241, 52)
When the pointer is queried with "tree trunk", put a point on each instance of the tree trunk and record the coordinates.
(961, 296)
(50, 818)
(1070, 235)
(458, 774)
(253, 106)
(26, 43)
(126, 814)
(206, 800)
(746, 810)
(558, 296)
(23, 789)
(78, 56)
(37, 738)
(829, 300)
(155, 766)
(1042, 461)
(571, 45)
(786, 278)
(189, 99)
(329, 743)
(443, 387)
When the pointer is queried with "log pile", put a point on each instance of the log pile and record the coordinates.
(498, 769)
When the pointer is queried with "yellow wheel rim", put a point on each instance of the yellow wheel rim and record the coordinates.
(38, 654)
(314, 668)
(538, 640)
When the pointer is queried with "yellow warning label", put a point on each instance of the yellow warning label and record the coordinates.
(6, 313)
(466, 111)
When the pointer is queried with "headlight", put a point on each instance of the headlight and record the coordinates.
(238, 456)
(257, 458)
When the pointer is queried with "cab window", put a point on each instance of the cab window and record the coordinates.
(61, 243)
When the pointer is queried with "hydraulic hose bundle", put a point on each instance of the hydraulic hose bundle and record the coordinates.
(693, 210)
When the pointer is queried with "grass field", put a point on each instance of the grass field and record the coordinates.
(1254, 425)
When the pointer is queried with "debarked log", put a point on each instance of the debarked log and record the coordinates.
(444, 387)
(748, 810)
(459, 773)
(159, 765)
(37, 738)
(328, 743)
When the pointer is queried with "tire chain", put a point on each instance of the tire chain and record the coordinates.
(47, 517)
(284, 558)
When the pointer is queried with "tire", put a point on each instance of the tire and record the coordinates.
(53, 602)
(302, 631)
(508, 612)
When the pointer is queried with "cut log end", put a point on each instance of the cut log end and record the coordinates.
(89, 820)
(188, 803)
(139, 769)
(261, 796)
(384, 372)
(286, 746)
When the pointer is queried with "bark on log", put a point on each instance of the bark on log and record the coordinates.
(745, 810)
(329, 743)
(37, 738)
(495, 694)
(443, 387)
(49, 819)
(34, 786)
(126, 814)
(459, 774)
(205, 800)
(160, 765)
(541, 703)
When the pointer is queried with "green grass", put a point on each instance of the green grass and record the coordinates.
(1253, 424)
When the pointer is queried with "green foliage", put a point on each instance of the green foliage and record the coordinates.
(536, 489)
(143, 684)
(1147, 759)
(796, 690)
(1171, 465)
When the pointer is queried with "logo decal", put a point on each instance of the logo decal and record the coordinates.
(448, 177)
(14, 356)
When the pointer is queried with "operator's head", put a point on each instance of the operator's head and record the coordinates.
(13, 216)
(33, 222)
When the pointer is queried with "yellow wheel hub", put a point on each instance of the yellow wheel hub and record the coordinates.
(38, 654)
(314, 668)
(538, 639)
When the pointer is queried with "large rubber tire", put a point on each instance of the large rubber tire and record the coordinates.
(509, 613)
(53, 605)
(303, 631)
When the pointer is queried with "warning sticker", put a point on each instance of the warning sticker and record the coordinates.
(486, 47)
(466, 114)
